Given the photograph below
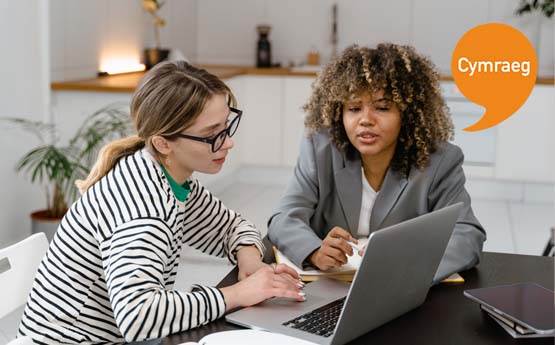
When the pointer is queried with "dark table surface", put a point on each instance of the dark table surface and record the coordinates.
(446, 317)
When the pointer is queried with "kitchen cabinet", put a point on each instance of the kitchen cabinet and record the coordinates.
(479, 148)
(526, 144)
(273, 120)
(261, 125)
(296, 92)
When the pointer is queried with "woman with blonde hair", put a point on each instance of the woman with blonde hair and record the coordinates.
(108, 275)
(376, 154)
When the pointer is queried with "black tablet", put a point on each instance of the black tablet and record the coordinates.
(527, 304)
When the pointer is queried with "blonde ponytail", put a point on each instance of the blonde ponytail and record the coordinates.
(108, 157)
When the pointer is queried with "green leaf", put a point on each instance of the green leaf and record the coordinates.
(61, 166)
(43, 131)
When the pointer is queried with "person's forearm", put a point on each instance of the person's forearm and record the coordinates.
(248, 254)
(230, 297)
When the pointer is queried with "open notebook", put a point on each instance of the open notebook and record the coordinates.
(343, 273)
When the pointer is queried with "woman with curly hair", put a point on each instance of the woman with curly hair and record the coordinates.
(376, 154)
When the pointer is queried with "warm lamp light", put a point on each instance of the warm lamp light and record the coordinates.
(120, 65)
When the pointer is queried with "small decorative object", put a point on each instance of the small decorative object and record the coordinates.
(546, 7)
(155, 55)
(57, 166)
(264, 48)
(313, 57)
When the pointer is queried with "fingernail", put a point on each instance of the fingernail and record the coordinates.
(300, 285)
(303, 298)
(301, 282)
(302, 294)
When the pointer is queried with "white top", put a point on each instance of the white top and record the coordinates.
(368, 198)
(109, 273)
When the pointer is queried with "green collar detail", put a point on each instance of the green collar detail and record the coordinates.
(181, 192)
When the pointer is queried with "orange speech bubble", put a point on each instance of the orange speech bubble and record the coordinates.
(495, 66)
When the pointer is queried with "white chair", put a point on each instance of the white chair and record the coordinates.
(18, 266)
(22, 341)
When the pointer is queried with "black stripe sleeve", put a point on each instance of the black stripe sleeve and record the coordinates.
(134, 260)
(217, 230)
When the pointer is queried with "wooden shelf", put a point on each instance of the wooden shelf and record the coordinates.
(127, 82)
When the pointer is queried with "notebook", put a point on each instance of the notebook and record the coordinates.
(344, 273)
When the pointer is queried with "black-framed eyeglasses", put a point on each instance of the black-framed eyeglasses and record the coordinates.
(217, 141)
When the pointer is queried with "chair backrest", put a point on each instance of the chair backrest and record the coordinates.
(22, 341)
(18, 266)
(549, 249)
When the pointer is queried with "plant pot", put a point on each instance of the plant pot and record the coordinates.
(41, 221)
(152, 56)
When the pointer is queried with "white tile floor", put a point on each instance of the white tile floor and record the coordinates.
(511, 226)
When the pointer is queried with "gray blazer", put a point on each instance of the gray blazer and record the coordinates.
(326, 191)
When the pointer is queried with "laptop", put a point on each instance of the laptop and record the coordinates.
(394, 277)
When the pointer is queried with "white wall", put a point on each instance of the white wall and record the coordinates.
(438, 25)
(539, 30)
(180, 31)
(86, 33)
(226, 29)
(224, 32)
(24, 92)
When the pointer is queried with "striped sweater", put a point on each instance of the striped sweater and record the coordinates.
(109, 272)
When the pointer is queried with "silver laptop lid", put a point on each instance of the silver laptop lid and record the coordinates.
(396, 273)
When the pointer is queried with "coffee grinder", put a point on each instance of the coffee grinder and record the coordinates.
(263, 47)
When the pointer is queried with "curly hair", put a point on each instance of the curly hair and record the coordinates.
(409, 79)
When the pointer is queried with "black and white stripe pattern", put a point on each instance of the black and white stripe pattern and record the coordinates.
(109, 272)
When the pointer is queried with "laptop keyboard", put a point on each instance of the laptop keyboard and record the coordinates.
(319, 321)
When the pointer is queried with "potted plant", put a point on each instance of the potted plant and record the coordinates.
(525, 6)
(534, 12)
(57, 166)
(155, 55)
